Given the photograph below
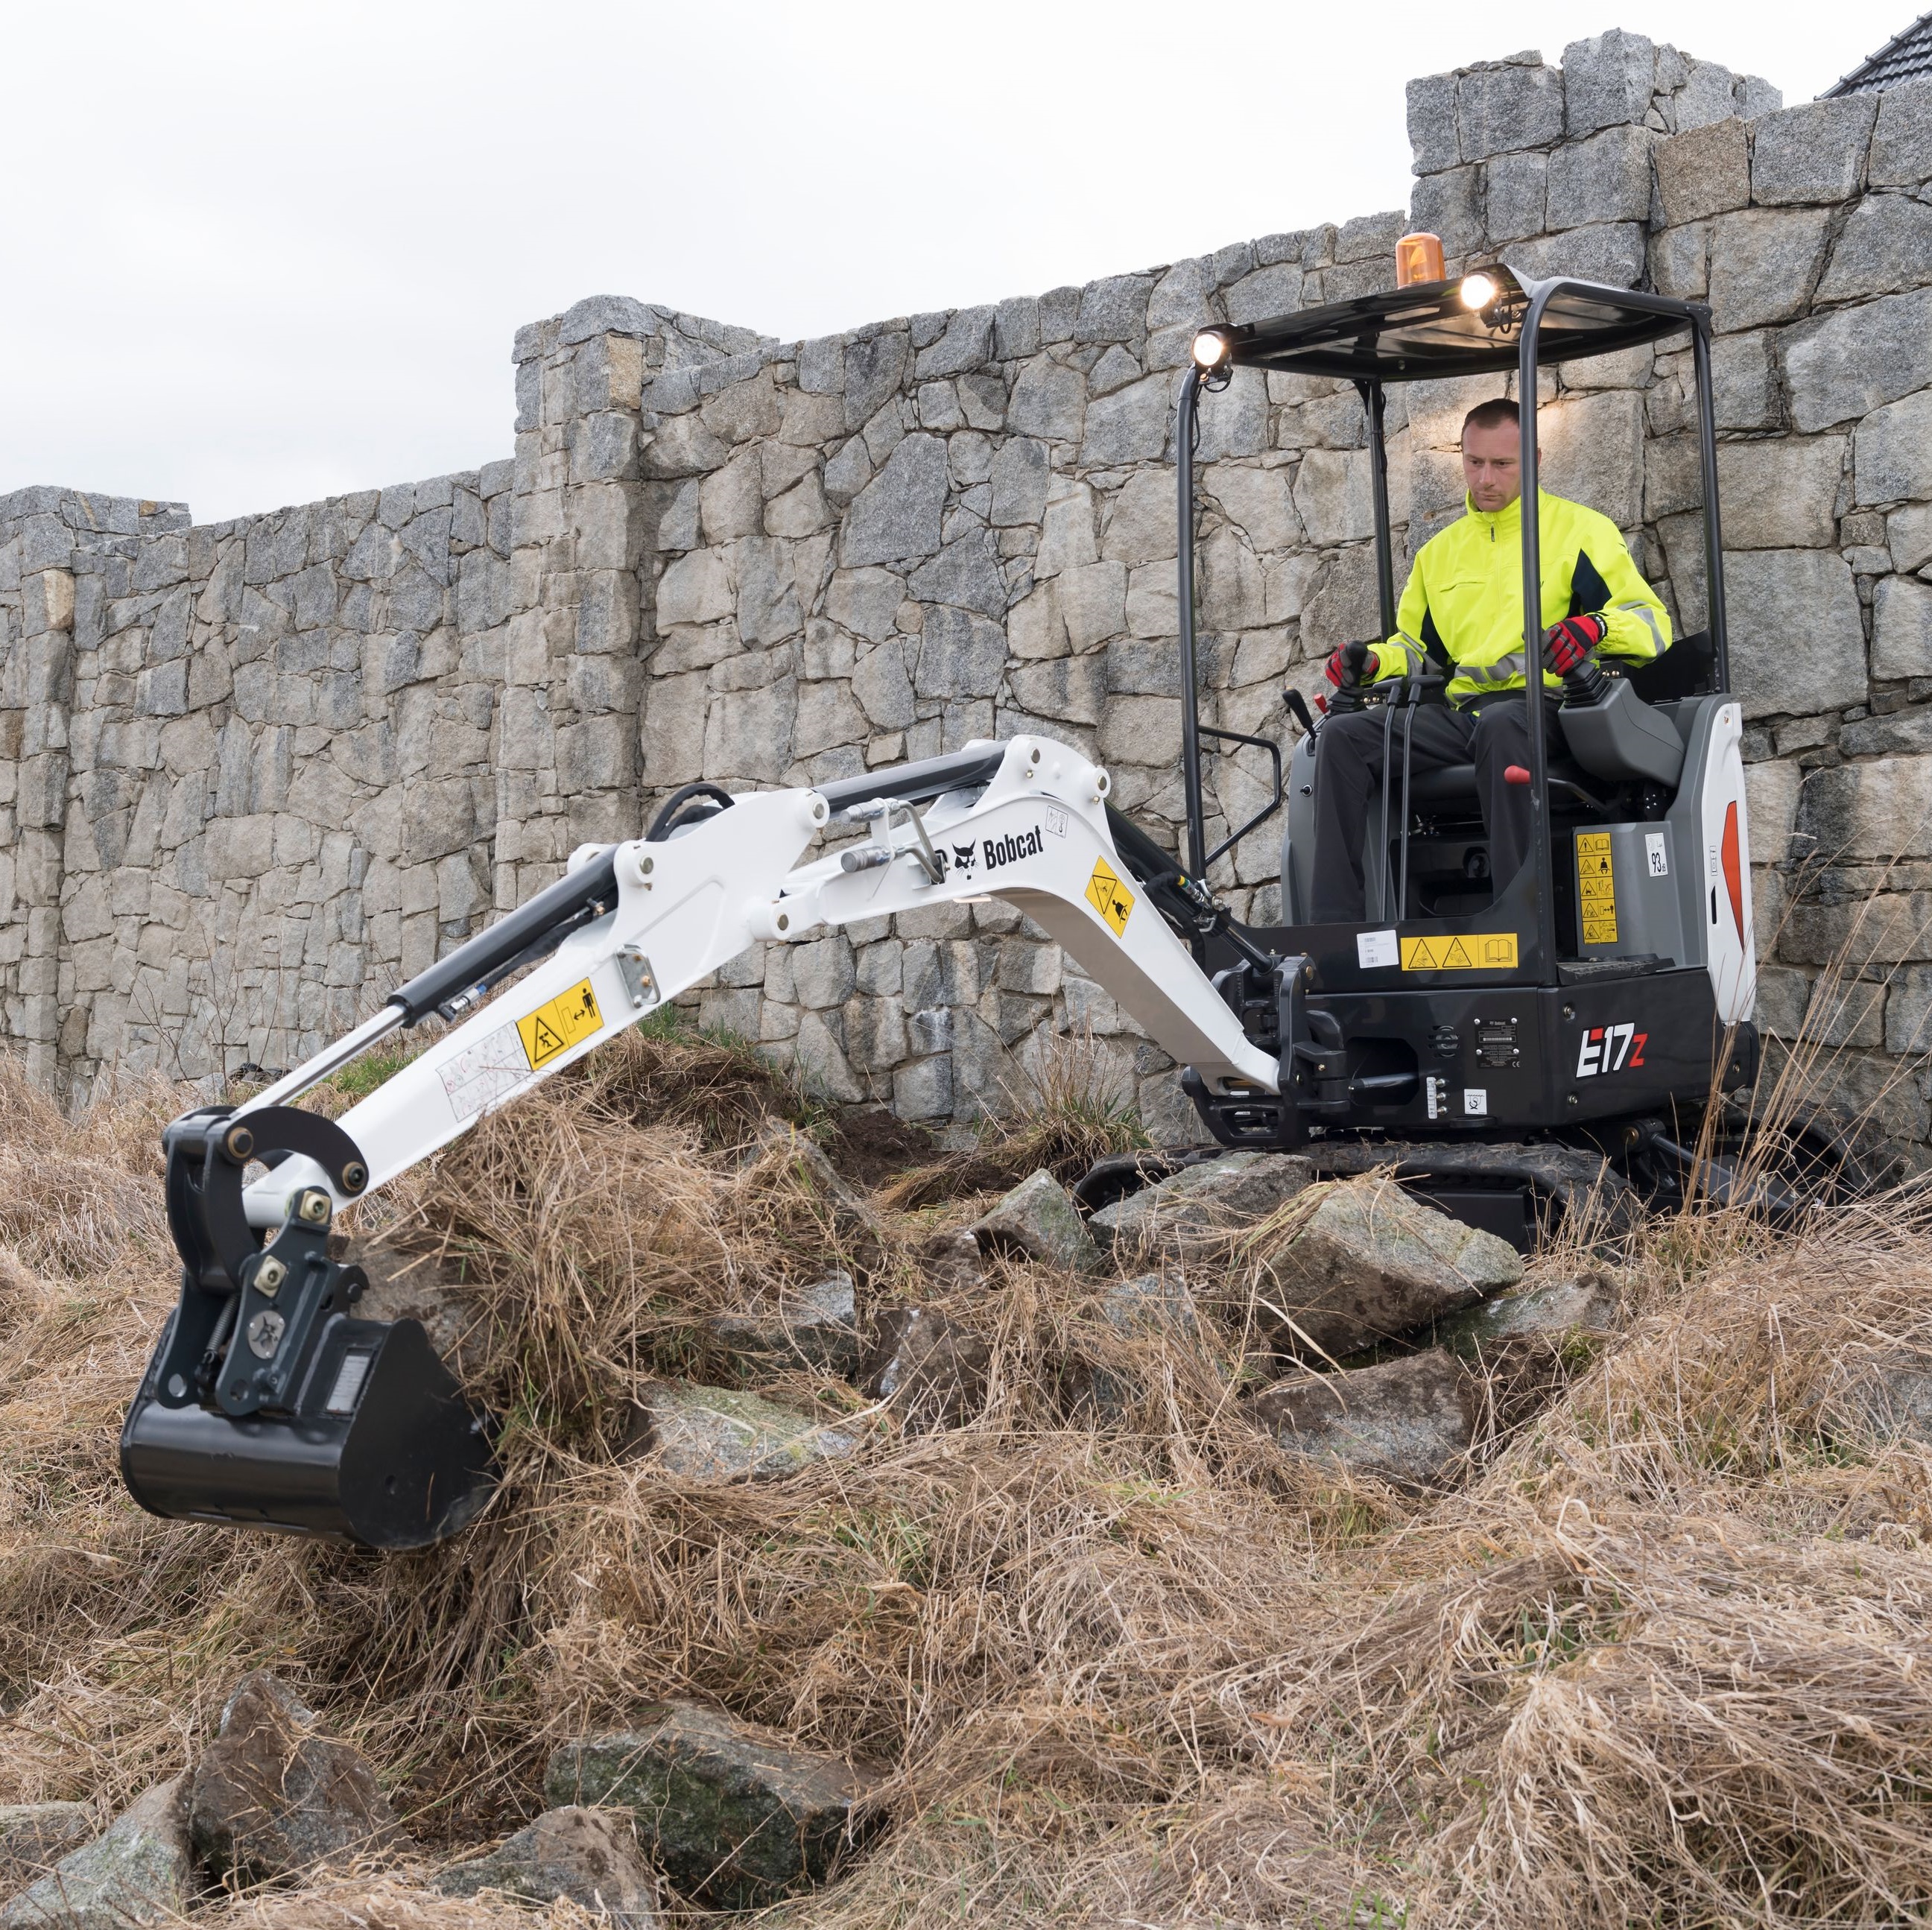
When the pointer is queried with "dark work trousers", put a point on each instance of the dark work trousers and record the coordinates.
(1493, 734)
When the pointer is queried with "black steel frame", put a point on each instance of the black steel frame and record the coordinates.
(1694, 317)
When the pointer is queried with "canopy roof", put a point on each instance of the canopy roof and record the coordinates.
(1427, 331)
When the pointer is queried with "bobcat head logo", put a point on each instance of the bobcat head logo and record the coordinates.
(963, 856)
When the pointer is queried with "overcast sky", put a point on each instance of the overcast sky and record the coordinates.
(253, 254)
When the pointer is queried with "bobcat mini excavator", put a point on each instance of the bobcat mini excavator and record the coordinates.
(1570, 1007)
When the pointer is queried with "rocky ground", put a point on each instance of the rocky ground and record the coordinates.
(886, 1539)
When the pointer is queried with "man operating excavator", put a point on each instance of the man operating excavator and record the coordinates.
(1461, 616)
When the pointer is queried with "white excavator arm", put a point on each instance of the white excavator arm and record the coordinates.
(1036, 836)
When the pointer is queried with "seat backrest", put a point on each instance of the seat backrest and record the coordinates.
(1687, 669)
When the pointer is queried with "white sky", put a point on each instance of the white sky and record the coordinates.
(255, 254)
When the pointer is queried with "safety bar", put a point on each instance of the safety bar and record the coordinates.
(1268, 810)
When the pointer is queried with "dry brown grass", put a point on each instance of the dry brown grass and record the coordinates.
(1664, 1660)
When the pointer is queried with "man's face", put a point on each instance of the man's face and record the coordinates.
(1493, 467)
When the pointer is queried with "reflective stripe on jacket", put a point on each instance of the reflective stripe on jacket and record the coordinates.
(1463, 606)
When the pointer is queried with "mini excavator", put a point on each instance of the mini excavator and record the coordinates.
(1476, 1025)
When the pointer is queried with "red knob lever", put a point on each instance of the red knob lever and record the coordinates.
(1514, 773)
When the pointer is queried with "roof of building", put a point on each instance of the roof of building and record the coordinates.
(1907, 55)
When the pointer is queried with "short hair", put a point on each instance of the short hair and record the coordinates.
(1491, 415)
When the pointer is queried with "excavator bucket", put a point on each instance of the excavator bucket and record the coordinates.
(380, 1447)
(267, 1404)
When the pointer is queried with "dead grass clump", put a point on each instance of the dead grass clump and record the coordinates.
(667, 1074)
(1066, 1101)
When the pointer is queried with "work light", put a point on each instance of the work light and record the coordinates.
(1211, 349)
(1477, 291)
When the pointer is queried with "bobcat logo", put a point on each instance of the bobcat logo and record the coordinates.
(963, 856)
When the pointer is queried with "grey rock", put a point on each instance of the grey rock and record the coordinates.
(715, 1434)
(140, 1872)
(953, 1259)
(1368, 1262)
(1885, 1393)
(1450, 204)
(272, 1797)
(1515, 191)
(1550, 1315)
(583, 1854)
(1705, 173)
(1607, 81)
(1797, 636)
(1194, 1211)
(1892, 453)
(1859, 358)
(1780, 494)
(1604, 178)
(1608, 251)
(896, 516)
(966, 344)
(34, 1836)
(960, 654)
(1813, 153)
(1901, 628)
(1049, 401)
(1901, 147)
(933, 1370)
(733, 1815)
(815, 1326)
(1038, 1221)
(1114, 310)
(1433, 140)
(1763, 262)
(1503, 106)
(1151, 1303)
(1408, 1422)
(1886, 246)
(426, 1287)
(966, 574)
(1129, 426)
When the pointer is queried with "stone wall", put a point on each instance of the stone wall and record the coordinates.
(258, 772)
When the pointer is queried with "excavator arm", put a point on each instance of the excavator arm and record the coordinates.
(268, 1403)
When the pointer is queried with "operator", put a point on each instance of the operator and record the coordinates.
(1463, 609)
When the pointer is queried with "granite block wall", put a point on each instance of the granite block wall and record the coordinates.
(253, 773)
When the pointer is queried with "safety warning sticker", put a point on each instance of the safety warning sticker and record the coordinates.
(1467, 951)
(1596, 888)
(475, 1078)
(1110, 897)
(557, 1027)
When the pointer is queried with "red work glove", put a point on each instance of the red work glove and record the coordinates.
(1568, 646)
(1352, 666)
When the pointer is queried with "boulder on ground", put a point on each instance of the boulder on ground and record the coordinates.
(34, 1836)
(933, 1370)
(586, 1855)
(953, 1260)
(272, 1797)
(815, 1326)
(1151, 1306)
(1546, 1318)
(423, 1286)
(1407, 1422)
(1885, 1393)
(1194, 1211)
(1038, 1221)
(140, 1872)
(719, 1434)
(734, 1817)
(1368, 1262)
(1151, 1303)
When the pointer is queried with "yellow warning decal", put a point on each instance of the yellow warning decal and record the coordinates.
(1596, 888)
(1110, 897)
(557, 1027)
(1466, 951)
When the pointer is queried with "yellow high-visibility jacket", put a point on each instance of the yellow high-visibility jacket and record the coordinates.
(1463, 606)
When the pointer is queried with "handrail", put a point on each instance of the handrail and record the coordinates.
(1267, 811)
